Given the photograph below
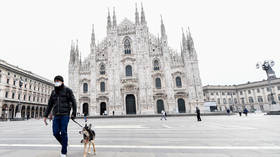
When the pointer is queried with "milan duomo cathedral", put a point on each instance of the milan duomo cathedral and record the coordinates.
(134, 72)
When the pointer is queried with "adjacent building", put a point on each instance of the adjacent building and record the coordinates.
(22, 93)
(252, 95)
(132, 71)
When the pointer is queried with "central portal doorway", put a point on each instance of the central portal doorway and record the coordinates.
(130, 104)
(102, 108)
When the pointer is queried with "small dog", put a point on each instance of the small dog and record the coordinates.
(88, 139)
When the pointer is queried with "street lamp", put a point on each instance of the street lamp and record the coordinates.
(267, 67)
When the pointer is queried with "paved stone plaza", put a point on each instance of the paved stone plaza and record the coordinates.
(216, 136)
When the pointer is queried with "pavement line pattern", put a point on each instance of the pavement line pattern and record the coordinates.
(119, 127)
(153, 147)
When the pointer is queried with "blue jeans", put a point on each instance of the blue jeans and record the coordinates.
(60, 124)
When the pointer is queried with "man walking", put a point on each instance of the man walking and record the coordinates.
(61, 101)
(198, 114)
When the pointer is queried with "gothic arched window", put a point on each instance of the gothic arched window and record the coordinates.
(127, 46)
(102, 86)
(156, 65)
(85, 87)
(158, 83)
(128, 70)
(102, 69)
(178, 82)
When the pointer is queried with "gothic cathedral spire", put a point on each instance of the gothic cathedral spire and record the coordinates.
(72, 53)
(143, 19)
(184, 40)
(190, 45)
(92, 37)
(163, 33)
(77, 47)
(108, 20)
(114, 19)
(136, 15)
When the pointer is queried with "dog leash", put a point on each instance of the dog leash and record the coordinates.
(77, 123)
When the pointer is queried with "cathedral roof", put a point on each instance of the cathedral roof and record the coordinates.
(126, 23)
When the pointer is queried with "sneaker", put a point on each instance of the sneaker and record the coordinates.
(63, 155)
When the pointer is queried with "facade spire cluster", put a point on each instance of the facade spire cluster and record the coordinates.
(74, 53)
(111, 23)
(188, 44)
(142, 19)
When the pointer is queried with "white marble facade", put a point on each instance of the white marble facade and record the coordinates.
(134, 72)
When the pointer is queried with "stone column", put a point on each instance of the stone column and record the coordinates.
(19, 109)
(25, 112)
(40, 112)
(30, 112)
(37, 112)
(8, 111)
(14, 111)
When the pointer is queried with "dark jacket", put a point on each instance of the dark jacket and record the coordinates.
(61, 101)
(197, 111)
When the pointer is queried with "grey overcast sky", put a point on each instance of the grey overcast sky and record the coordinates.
(230, 35)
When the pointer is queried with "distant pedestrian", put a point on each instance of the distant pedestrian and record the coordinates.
(198, 114)
(228, 111)
(113, 113)
(240, 112)
(245, 111)
(163, 115)
(85, 117)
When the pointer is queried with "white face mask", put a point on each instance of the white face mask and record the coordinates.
(57, 84)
